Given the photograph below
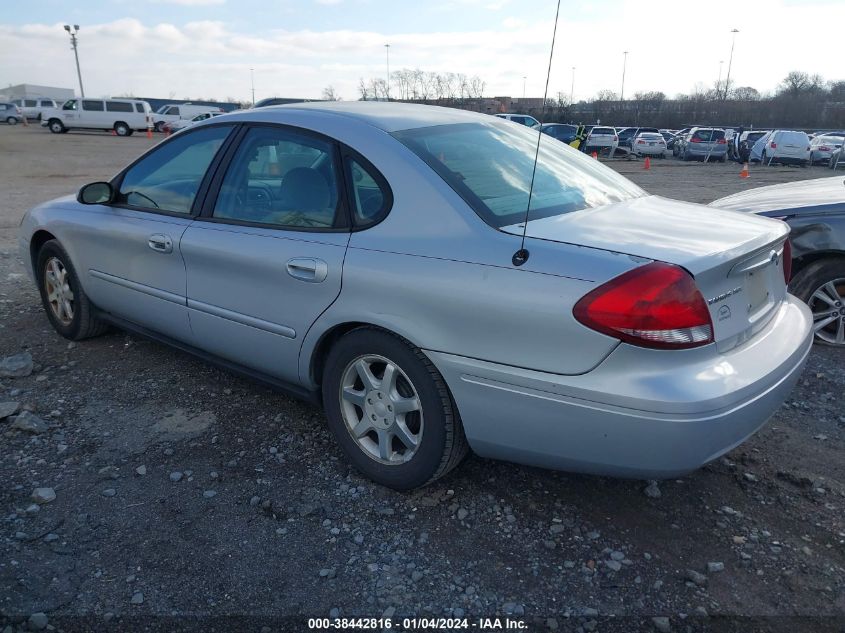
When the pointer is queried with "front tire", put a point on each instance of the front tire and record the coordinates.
(11, 120)
(390, 410)
(56, 126)
(70, 312)
(821, 285)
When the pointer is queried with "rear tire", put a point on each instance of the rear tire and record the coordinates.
(350, 402)
(11, 120)
(811, 286)
(121, 129)
(70, 312)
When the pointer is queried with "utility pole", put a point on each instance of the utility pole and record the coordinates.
(252, 81)
(730, 61)
(73, 44)
(387, 53)
(719, 80)
(624, 66)
(572, 87)
(523, 88)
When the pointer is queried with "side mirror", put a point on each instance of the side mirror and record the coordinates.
(96, 193)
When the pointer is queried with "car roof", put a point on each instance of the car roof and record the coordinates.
(389, 117)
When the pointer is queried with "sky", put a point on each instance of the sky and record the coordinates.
(205, 48)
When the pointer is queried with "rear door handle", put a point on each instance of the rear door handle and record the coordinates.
(160, 243)
(308, 269)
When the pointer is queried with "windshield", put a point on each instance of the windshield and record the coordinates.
(489, 165)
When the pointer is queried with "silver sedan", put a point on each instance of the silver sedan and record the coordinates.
(369, 257)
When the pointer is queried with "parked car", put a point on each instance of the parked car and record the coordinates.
(649, 144)
(34, 108)
(668, 134)
(628, 134)
(703, 143)
(181, 124)
(10, 113)
(124, 116)
(173, 112)
(815, 211)
(368, 256)
(600, 138)
(786, 147)
(837, 159)
(523, 119)
(821, 148)
(561, 131)
(746, 141)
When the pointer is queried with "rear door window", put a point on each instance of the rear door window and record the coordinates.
(31, 103)
(282, 178)
(118, 106)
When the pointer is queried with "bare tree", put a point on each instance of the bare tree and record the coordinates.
(329, 94)
(362, 89)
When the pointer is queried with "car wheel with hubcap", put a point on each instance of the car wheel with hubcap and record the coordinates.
(121, 129)
(56, 126)
(821, 285)
(390, 410)
(67, 306)
(12, 120)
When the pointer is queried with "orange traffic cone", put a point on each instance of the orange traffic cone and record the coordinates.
(149, 133)
(744, 172)
(112, 132)
(595, 155)
(647, 164)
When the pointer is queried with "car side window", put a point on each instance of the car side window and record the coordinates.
(168, 178)
(282, 178)
(72, 104)
(139, 108)
(91, 105)
(370, 195)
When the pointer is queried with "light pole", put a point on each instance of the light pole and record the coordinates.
(523, 88)
(252, 81)
(624, 66)
(72, 33)
(387, 53)
(730, 61)
(572, 88)
(719, 80)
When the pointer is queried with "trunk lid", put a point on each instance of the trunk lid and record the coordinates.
(736, 259)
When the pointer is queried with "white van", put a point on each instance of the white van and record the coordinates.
(124, 116)
(786, 147)
(35, 107)
(172, 112)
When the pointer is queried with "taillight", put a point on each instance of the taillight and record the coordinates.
(787, 261)
(615, 138)
(823, 149)
(773, 145)
(721, 141)
(695, 140)
(656, 305)
(640, 142)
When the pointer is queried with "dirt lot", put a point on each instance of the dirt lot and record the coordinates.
(190, 499)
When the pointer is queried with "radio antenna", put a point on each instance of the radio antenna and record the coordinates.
(521, 256)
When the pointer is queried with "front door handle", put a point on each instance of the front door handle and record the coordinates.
(308, 269)
(160, 243)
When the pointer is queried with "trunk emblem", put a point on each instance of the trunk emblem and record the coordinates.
(724, 295)
(724, 313)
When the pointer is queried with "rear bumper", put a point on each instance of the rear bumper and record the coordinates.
(692, 150)
(788, 160)
(641, 413)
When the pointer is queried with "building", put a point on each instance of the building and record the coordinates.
(33, 91)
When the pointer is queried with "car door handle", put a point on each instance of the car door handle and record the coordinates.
(308, 269)
(160, 243)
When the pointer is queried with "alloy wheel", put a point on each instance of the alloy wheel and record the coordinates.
(381, 409)
(59, 293)
(828, 306)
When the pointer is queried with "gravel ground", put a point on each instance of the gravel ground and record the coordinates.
(141, 489)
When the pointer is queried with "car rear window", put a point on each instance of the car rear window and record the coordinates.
(794, 137)
(755, 136)
(650, 136)
(490, 164)
(602, 130)
(709, 135)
